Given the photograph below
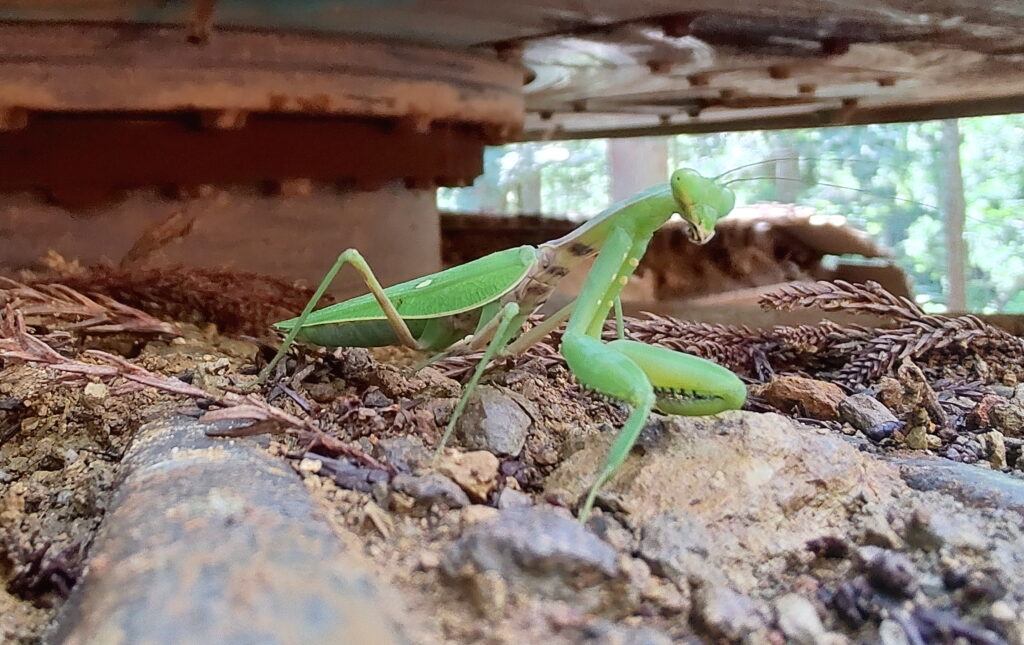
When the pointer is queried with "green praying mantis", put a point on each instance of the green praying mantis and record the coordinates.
(482, 305)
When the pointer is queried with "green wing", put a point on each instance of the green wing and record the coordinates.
(451, 291)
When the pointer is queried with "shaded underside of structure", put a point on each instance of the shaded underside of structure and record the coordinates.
(644, 67)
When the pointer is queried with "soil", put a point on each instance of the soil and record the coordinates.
(864, 573)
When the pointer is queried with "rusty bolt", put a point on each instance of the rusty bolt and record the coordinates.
(13, 118)
(780, 72)
(677, 26)
(886, 81)
(834, 46)
(229, 119)
(807, 88)
(700, 79)
(659, 66)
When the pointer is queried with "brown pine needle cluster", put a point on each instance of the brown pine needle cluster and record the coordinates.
(852, 356)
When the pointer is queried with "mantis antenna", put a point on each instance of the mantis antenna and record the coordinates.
(822, 183)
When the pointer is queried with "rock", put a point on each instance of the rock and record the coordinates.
(676, 547)
(1008, 417)
(431, 490)
(798, 619)
(609, 633)
(538, 548)
(95, 392)
(760, 484)
(406, 454)
(475, 472)
(893, 573)
(890, 633)
(917, 438)
(932, 531)
(970, 485)
(612, 531)
(723, 613)
(494, 422)
(511, 498)
(815, 399)
(995, 448)
(476, 513)
(867, 414)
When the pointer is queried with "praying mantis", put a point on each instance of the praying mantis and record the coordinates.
(482, 305)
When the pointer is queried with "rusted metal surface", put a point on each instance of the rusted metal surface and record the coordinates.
(135, 68)
(607, 67)
(85, 157)
(615, 67)
(211, 541)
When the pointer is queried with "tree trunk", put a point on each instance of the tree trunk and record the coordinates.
(955, 213)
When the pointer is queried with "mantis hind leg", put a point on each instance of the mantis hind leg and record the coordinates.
(509, 322)
(358, 262)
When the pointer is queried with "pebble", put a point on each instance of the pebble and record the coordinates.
(308, 465)
(511, 498)
(816, 399)
(867, 414)
(475, 472)
(495, 422)
(890, 633)
(1008, 417)
(531, 541)
(95, 392)
(892, 573)
(675, 546)
(798, 619)
(431, 490)
(476, 513)
(995, 448)
(727, 614)
(406, 454)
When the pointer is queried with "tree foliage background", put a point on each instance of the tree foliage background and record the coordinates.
(895, 169)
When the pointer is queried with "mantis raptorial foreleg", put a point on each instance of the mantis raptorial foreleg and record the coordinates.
(358, 262)
(638, 374)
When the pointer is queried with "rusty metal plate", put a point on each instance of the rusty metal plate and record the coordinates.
(82, 158)
(129, 67)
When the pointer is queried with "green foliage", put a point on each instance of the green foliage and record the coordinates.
(889, 177)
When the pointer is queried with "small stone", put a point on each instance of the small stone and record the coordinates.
(476, 513)
(931, 531)
(64, 497)
(726, 614)
(867, 414)
(431, 490)
(512, 498)
(5, 477)
(891, 633)
(476, 472)
(995, 448)
(666, 596)
(676, 547)
(308, 465)
(815, 399)
(529, 541)
(878, 532)
(893, 573)
(429, 560)
(798, 619)
(917, 438)
(1008, 417)
(95, 392)
(495, 422)
(488, 592)
(406, 454)
(1002, 612)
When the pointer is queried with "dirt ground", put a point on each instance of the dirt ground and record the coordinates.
(784, 523)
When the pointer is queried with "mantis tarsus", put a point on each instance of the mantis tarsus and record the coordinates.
(483, 304)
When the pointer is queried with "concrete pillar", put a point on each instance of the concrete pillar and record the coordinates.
(296, 235)
(636, 164)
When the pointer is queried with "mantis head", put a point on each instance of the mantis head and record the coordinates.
(702, 202)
